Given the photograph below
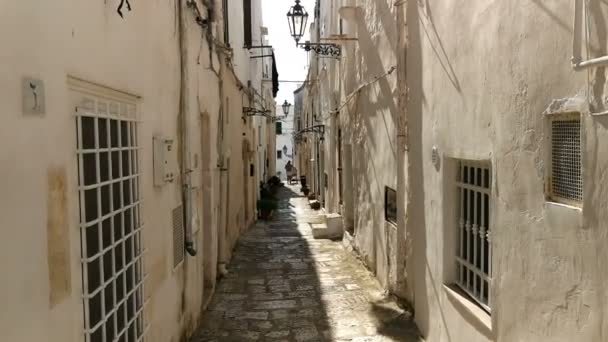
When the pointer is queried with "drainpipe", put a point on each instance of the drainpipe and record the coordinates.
(185, 136)
(577, 63)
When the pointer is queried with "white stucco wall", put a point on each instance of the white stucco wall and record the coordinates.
(478, 97)
(136, 55)
(481, 80)
(367, 120)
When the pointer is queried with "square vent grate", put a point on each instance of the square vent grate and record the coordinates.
(566, 178)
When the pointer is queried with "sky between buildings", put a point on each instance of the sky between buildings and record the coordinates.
(291, 60)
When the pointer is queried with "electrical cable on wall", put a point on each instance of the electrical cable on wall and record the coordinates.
(356, 91)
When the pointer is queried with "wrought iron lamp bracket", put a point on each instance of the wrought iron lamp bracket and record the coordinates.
(250, 111)
(324, 49)
(313, 129)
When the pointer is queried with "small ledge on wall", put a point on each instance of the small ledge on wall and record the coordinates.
(472, 313)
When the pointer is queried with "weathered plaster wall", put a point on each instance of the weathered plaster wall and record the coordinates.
(368, 120)
(139, 54)
(480, 78)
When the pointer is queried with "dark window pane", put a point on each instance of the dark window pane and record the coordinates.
(115, 165)
(125, 163)
(118, 262)
(131, 306)
(90, 204)
(108, 263)
(126, 192)
(116, 195)
(104, 166)
(124, 134)
(105, 200)
(88, 132)
(119, 289)
(97, 336)
(106, 227)
(118, 227)
(103, 132)
(128, 221)
(92, 236)
(93, 275)
(110, 330)
(89, 168)
(109, 297)
(114, 133)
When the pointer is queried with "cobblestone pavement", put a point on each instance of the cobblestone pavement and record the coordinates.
(283, 285)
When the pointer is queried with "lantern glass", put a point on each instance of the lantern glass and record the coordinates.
(297, 18)
(286, 106)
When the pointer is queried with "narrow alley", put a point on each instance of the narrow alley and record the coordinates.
(284, 285)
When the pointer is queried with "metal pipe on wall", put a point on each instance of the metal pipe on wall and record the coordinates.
(185, 136)
(577, 63)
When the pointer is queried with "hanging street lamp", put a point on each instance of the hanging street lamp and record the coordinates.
(297, 17)
(286, 106)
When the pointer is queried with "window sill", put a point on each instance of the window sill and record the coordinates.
(475, 315)
(552, 203)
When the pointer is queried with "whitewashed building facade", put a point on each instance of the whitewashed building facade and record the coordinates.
(126, 156)
(464, 150)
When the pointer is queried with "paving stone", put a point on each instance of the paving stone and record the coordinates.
(277, 334)
(266, 296)
(276, 304)
(306, 334)
(261, 325)
(283, 285)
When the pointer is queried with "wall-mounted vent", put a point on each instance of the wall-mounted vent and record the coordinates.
(178, 236)
(566, 185)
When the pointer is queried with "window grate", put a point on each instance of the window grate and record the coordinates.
(110, 223)
(566, 180)
(474, 257)
(178, 236)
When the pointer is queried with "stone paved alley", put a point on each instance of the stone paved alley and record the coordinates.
(283, 285)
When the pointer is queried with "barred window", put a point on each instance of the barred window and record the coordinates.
(566, 179)
(110, 222)
(474, 250)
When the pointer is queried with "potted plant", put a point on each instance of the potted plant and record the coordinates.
(265, 207)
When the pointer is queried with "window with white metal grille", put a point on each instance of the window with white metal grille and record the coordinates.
(110, 222)
(474, 250)
(566, 180)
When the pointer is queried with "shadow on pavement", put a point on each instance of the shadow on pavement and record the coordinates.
(283, 285)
